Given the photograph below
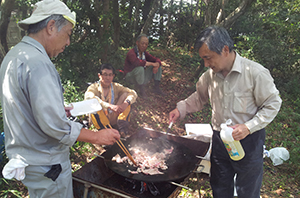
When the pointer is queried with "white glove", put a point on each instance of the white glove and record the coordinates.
(15, 168)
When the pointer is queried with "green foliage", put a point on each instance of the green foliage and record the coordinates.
(184, 27)
(268, 34)
(188, 60)
(285, 129)
(79, 148)
(71, 93)
(9, 189)
(81, 62)
(292, 91)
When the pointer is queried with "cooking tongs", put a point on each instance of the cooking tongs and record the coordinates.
(105, 122)
(169, 128)
(124, 149)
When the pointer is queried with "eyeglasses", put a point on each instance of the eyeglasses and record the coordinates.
(105, 74)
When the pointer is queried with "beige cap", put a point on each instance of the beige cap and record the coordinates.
(44, 9)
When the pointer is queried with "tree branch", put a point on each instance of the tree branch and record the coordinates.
(155, 6)
(233, 16)
(7, 7)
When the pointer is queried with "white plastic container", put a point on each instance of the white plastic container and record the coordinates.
(85, 107)
(234, 148)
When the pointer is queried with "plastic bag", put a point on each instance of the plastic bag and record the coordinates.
(278, 155)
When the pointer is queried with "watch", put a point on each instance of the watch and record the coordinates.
(128, 101)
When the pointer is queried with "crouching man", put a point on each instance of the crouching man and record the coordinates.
(115, 100)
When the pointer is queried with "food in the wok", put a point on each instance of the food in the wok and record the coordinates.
(148, 162)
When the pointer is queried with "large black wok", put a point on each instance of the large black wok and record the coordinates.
(180, 163)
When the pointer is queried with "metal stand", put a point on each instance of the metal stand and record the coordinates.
(87, 185)
(197, 174)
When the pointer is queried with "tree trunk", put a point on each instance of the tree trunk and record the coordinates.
(130, 8)
(214, 13)
(208, 13)
(149, 21)
(191, 9)
(105, 29)
(116, 23)
(24, 9)
(198, 71)
(161, 19)
(146, 9)
(221, 13)
(92, 15)
(168, 34)
(99, 10)
(136, 21)
(196, 11)
(2, 53)
(7, 7)
(233, 16)
(169, 13)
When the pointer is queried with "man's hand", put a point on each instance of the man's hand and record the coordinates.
(155, 70)
(240, 131)
(107, 136)
(118, 108)
(102, 137)
(68, 109)
(155, 65)
(174, 115)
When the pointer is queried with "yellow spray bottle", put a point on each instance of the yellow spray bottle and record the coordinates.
(233, 147)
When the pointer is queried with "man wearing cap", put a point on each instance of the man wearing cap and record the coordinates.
(38, 134)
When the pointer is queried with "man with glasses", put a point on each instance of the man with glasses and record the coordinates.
(114, 98)
(241, 90)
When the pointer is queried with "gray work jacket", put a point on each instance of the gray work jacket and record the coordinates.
(36, 128)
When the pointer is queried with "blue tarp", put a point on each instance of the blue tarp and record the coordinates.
(1, 145)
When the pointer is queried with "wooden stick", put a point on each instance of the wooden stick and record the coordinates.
(126, 152)
(121, 145)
